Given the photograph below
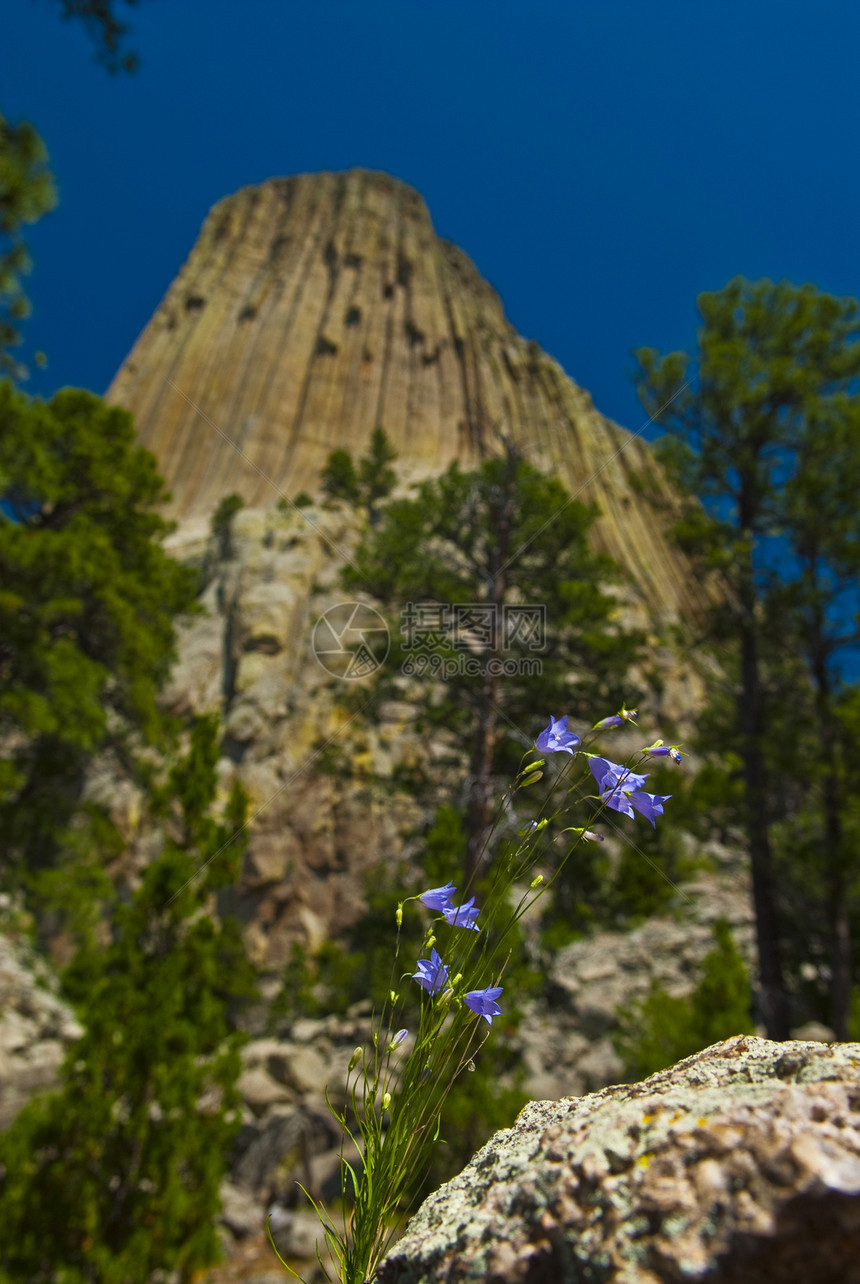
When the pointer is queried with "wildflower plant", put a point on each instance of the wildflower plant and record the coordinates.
(440, 1008)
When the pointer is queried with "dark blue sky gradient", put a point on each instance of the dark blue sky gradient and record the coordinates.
(601, 162)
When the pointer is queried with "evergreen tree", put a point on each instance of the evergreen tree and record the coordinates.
(365, 486)
(117, 1174)
(339, 478)
(222, 524)
(88, 599)
(26, 193)
(811, 613)
(775, 364)
(518, 619)
(376, 477)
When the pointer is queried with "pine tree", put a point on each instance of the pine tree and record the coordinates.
(376, 477)
(339, 478)
(117, 1174)
(27, 192)
(504, 552)
(88, 600)
(775, 364)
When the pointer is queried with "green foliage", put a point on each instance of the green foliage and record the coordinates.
(444, 847)
(442, 546)
(88, 600)
(222, 524)
(27, 192)
(117, 1174)
(376, 477)
(366, 485)
(478, 1105)
(765, 424)
(339, 478)
(664, 1029)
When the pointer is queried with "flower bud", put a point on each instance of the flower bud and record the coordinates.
(533, 827)
(397, 1040)
(386, 1101)
(532, 778)
(536, 882)
(431, 940)
(392, 996)
(457, 979)
(355, 1058)
(533, 766)
(399, 915)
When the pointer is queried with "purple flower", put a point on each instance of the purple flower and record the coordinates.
(615, 720)
(484, 1002)
(397, 1040)
(620, 789)
(649, 805)
(438, 898)
(463, 916)
(556, 738)
(659, 750)
(432, 974)
(593, 837)
(613, 775)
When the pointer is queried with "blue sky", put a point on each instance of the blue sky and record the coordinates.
(602, 163)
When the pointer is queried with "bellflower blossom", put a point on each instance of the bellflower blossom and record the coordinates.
(556, 738)
(659, 750)
(621, 790)
(438, 898)
(484, 1002)
(616, 719)
(462, 915)
(432, 974)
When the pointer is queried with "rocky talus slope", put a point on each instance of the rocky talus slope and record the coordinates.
(313, 309)
(737, 1166)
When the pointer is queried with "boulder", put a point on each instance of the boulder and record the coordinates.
(260, 1091)
(240, 1211)
(739, 1165)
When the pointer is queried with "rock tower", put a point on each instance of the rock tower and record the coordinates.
(315, 308)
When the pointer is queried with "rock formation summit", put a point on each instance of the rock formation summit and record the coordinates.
(315, 308)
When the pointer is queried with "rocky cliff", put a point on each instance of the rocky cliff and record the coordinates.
(313, 309)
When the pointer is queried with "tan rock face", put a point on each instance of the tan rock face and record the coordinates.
(313, 309)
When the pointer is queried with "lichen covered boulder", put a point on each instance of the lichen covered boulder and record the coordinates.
(740, 1164)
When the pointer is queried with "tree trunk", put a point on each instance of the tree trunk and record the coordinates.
(837, 887)
(479, 816)
(774, 997)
